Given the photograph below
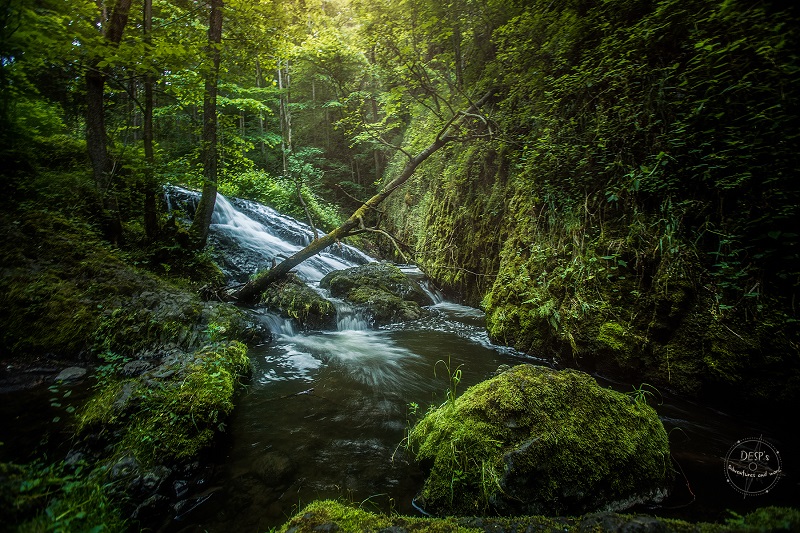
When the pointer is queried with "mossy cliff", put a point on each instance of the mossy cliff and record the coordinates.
(334, 516)
(538, 441)
(632, 213)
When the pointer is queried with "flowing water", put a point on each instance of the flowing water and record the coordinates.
(325, 411)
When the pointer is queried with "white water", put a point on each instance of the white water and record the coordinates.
(274, 237)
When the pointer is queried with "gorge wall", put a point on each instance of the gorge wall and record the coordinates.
(632, 212)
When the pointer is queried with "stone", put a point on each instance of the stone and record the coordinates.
(73, 373)
(381, 290)
(533, 440)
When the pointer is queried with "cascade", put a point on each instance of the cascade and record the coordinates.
(254, 236)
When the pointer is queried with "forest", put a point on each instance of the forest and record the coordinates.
(320, 265)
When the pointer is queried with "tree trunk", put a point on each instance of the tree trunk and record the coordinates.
(262, 145)
(96, 141)
(205, 209)
(251, 291)
(150, 185)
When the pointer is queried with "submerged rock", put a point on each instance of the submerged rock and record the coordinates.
(381, 289)
(533, 440)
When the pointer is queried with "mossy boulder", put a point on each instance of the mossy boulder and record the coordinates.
(292, 298)
(381, 289)
(173, 411)
(533, 440)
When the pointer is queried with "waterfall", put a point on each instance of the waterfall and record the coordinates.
(263, 231)
(253, 237)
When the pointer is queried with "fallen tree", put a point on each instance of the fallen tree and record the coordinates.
(462, 126)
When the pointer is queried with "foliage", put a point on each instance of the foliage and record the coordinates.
(281, 195)
(347, 518)
(641, 179)
(38, 497)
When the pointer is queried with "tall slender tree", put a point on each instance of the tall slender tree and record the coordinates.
(150, 211)
(96, 141)
(205, 209)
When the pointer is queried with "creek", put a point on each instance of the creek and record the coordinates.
(325, 411)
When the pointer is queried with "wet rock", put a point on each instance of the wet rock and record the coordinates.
(155, 506)
(135, 368)
(551, 442)
(125, 467)
(381, 289)
(73, 373)
(329, 527)
(150, 482)
(292, 298)
(180, 487)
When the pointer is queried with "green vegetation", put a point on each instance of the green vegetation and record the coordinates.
(537, 441)
(382, 289)
(294, 299)
(330, 515)
(631, 211)
(624, 200)
(162, 420)
(58, 498)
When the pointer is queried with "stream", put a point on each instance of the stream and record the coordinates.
(325, 412)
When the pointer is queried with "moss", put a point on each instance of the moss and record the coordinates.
(382, 289)
(172, 412)
(537, 440)
(294, 299)
(330, 515)
(384, 307)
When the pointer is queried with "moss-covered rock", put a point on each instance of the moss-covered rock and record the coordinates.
(384, 292)
(539, 441)
(171, 412)
(329, 515)
(292, 298)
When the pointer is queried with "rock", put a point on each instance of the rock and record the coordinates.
(381, 289)
(154, 506)
(124, 468)
(73, 373)
(533, 440)
(135, 368)
(273, 468)
(292, 298)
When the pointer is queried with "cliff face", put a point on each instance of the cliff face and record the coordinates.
(633, 212)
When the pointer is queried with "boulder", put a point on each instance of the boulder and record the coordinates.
(382, 290)
(533, 440)
(292, 298)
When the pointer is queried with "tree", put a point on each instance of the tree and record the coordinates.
(150, 211)
(462, 126)
(96, 141)
(205, 209)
